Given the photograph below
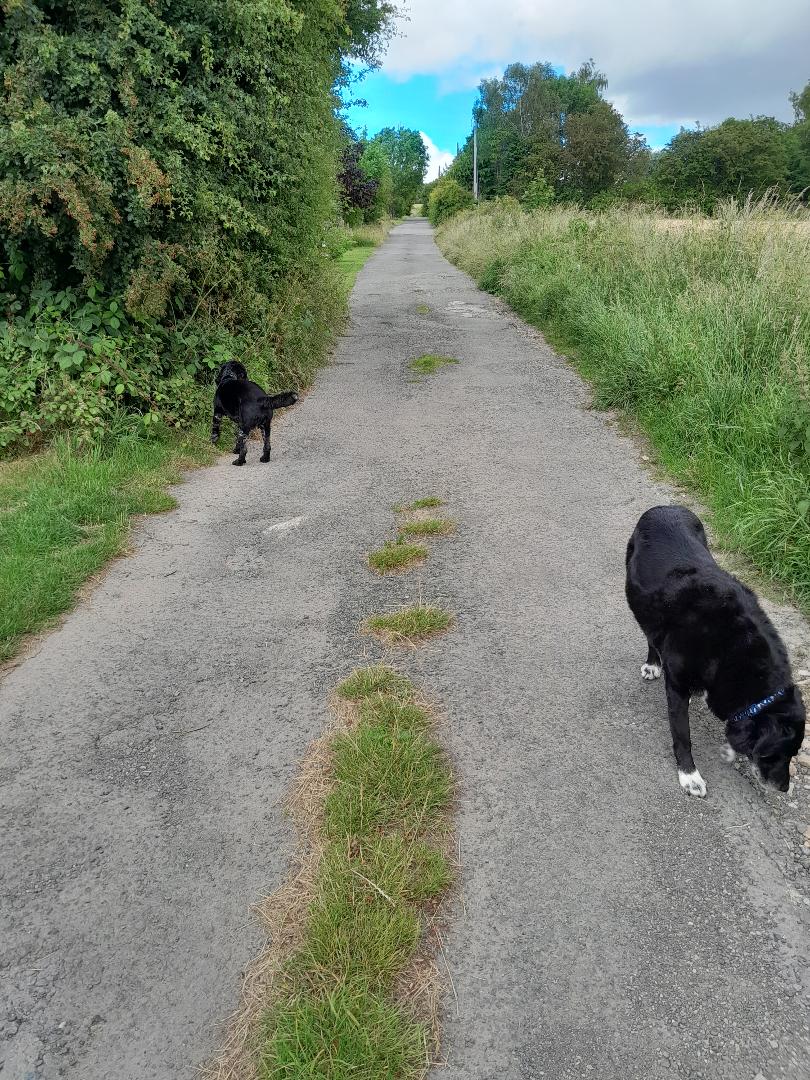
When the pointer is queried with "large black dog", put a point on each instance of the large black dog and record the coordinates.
(708, 632)
(247, 405)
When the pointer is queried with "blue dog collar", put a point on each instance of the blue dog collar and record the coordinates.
(755, 710)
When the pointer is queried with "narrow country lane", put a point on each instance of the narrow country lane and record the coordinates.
(610, 927)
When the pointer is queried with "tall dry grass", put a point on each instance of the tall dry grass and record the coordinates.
(698, 328)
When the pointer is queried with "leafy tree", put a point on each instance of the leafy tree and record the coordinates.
(408, 159)
(358, 191)
(597, 148)
(798, 147)
(535, 121)
(737, 157)
(377, 168)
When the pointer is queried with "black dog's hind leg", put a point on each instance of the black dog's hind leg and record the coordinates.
(652, 669)
(241, 447)
(266, 447)
(678, 702)
(216, 426)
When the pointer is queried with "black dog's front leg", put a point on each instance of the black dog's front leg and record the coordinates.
(652, 669)
(241, 447)
(266, 448)
(678, 702)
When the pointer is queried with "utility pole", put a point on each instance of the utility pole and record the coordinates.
(475, 161)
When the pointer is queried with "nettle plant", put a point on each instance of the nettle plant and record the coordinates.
(71, 360)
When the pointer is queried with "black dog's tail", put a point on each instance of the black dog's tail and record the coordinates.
(278, 401)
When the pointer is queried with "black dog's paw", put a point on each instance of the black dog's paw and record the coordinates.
(235, 450)
(238, 461)
(265, 458)
(215, 439)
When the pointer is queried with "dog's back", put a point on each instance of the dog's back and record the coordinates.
(235, 393)
(679, 594)
(249, 407)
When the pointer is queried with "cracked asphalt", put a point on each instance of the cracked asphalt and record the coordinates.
(610, 928)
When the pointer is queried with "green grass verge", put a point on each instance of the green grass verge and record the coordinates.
(396, 555)
(698, 329)
(427, 527)
(64, 514)
(430, 363)
(336, 1014)
(351, 262)
(409, 625)
(360, 242)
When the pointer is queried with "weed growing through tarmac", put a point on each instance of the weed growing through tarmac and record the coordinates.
(403, 553)
(426, 527)
(384, 827)
(376, 679)
(430, 364)
(419, 504)
(396, 555)
(408, 626)
(423, 309)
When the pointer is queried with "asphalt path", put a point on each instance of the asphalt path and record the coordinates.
(607, 926)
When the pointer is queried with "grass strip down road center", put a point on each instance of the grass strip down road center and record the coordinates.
(384, 828)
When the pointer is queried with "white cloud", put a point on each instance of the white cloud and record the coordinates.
(437, 159)
(668, 61)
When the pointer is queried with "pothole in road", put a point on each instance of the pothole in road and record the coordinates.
(469, 311)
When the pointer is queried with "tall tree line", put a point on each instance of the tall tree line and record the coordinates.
(545, 136)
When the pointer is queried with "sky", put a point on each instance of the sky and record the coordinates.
(669, 63)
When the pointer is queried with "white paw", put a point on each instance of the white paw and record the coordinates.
(650, 671)
(727, 754)
(692, 783)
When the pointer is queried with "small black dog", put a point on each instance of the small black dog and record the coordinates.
(247, 405)
(708, 632)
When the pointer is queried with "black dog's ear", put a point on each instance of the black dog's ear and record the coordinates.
(743, 736)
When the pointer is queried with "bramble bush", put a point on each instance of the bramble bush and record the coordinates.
(167, 183)
(72, 361)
